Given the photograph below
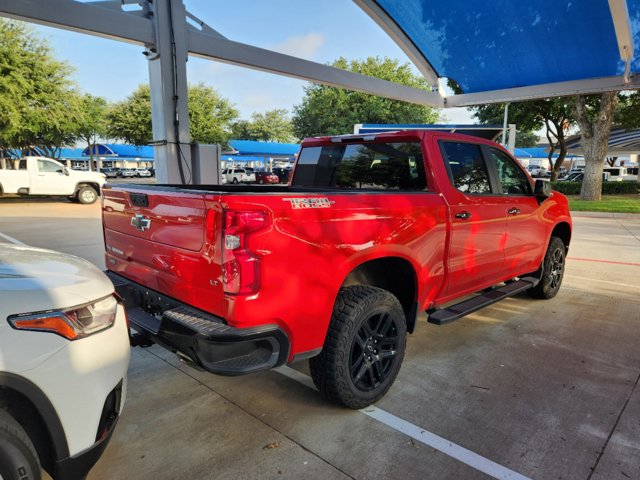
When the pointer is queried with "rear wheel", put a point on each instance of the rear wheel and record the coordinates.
(364, 347)
(18, 457)
(87, 195)
(552, 271)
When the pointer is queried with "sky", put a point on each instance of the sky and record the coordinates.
(113, 69)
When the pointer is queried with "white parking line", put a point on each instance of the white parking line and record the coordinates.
(443, 445)
(11, 239)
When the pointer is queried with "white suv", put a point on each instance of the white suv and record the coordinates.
(64, 353)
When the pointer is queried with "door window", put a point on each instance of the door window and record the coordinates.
(511, 177)
(48, 166)
(467, 169)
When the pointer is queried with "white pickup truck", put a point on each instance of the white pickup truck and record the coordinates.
(44, 176)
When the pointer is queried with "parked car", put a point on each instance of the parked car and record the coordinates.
(110, 172)
(142, 172)
(373, 230)
(237, 175)
(536, 171)
(64, 353)
(45, 176)
(579, 177)
(284, 174)
(126, 173)
(622, 174)
(266, 177)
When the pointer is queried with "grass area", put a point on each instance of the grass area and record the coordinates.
(609, 203)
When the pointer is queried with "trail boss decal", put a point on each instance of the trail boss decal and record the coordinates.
(309, 202)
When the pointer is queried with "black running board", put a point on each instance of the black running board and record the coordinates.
(459, 310)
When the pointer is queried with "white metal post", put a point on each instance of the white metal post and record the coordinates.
(168, 82)
(512, 138)
(504, 124)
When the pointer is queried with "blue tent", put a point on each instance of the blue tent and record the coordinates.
(506, 50)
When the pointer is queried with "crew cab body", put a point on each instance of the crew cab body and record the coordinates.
(45, 176)
(427, 217)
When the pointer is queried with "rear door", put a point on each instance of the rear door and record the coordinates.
(478, 219)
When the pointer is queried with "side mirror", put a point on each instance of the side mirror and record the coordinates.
(542, 189)
(65, 170)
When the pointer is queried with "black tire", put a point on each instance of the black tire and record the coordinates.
(364, 347)
(18, 457)
(87, 195)
(552, 271)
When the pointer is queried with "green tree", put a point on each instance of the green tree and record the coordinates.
(332, 111)
(241, 130)
(556, 115)
(210, 116)
(594, 114)
(38, 106)
(272, 126)
(92, 121)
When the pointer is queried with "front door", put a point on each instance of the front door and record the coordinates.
(526, 229)
(50, 179)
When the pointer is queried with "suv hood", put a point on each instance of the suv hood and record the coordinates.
(34, 279)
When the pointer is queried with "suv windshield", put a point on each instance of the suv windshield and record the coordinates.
(380, 166)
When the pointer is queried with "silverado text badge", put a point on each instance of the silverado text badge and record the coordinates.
(141, 222)
(309, 202)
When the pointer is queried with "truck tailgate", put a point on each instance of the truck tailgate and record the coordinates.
(161, 240)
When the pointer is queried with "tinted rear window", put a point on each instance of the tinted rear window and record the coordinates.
(378, 166)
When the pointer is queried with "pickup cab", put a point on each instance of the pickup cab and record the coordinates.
(45, 176)
(335, 266)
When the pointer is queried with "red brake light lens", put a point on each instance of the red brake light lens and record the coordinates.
(240, 266)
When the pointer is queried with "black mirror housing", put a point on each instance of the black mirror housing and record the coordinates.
(542, 189)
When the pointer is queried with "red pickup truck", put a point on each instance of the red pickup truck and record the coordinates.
(335, 266)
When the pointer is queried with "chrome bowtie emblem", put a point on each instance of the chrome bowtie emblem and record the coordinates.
(141, 222)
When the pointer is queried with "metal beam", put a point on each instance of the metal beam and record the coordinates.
(622, 25)
(235, 53)
(132, 27)
(559, 89)
(391, 28)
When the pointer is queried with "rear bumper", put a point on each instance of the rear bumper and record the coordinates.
(202, 338)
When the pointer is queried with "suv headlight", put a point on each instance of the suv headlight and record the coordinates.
(71, 323)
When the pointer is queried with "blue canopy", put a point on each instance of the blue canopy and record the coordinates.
(251, 147)
(568, 46)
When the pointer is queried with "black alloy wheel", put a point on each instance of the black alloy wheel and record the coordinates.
(552, 270)
(374, 351)
(363, 349)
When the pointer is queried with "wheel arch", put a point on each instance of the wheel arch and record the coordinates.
(395, 274)
(31, 408)
(94, 185)
(562, 230)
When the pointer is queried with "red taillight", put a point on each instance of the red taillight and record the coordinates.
(240, 266)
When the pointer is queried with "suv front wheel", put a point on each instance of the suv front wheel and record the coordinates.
(18, 458)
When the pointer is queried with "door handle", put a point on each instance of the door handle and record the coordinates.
(513, 211)
(463, 215)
